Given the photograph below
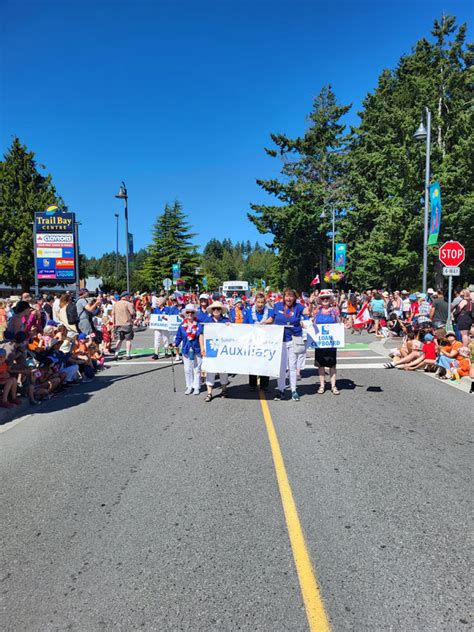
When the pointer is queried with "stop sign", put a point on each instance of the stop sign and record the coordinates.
(452, 253)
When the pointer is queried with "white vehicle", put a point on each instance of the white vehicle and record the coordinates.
(230, 288)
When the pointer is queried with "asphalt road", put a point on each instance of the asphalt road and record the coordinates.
(128, 507)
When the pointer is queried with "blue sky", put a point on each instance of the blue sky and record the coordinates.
(178, 98)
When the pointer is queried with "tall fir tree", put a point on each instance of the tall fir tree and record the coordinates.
(172, 242)
(314, 169)
(384, 226)
(23, 190)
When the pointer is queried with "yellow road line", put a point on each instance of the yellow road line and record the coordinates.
(317, 618)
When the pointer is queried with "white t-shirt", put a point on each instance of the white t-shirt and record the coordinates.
(56, 310)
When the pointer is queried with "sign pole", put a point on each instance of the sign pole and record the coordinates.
(35, 260)
(450, 294)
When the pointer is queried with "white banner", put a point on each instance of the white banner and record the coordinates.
(165, 322)
(244, 349)
(326, 336)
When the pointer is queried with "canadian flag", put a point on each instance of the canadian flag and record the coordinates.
(315, 281)
(363, 317)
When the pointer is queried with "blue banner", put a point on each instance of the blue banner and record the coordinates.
(340, 256)
(435, 215)
(130, 245)
(176, 269)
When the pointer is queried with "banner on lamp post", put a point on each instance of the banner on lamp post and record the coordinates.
(176, 270)
(435, 215)
(340, 256)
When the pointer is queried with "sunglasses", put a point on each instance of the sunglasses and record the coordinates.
(189, 312)
(217, 309)
(325, 298)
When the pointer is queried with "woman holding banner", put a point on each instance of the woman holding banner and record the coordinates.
(259, 314)
(326, 314)
(216, 311)
(289, 313)
(188, 335)
(161, 335)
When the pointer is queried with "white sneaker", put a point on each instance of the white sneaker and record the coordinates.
(196, 391)
(188, 391)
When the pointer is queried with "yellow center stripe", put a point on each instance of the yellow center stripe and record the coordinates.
(317, 618)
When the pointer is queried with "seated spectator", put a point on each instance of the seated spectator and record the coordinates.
(448, 355)
(428, 360)
(463, 364)
(415, 352)
(9, 384)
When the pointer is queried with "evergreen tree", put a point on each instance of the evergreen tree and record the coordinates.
(313, 181)
(384, 226)
(23, 190)
(171, 243)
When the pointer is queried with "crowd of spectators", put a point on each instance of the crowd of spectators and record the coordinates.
(51, 342)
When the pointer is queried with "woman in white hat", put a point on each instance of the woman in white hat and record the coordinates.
(326, 314)
(188, 336)
(217, 314)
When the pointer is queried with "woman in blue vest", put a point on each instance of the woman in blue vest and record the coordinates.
(326, 314)
(289, 313)
(161, 335)
(216, 311)
(188, 335)
(259, 314)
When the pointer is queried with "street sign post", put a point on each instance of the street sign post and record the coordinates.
(167, 283)
(451, 254)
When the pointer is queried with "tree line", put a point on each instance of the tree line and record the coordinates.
(370, 176)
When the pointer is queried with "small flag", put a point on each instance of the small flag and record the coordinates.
(363, 317)
(315, 281)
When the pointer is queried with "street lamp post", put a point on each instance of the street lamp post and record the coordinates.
(116, 248)
(424, 133)
(323, 216)
(122, 195)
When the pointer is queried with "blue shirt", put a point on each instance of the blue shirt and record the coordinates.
(160, 310)
(202, 316)
(174, 310)
(377, 305)
(292, 316)
(250, 313)
(181, 337)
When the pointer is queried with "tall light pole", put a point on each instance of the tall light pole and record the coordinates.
(322, 216)
(424, 133)
(116, 248)
(122, 195)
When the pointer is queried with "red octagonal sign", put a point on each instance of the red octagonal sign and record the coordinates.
(452, 253)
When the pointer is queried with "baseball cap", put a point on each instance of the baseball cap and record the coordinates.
(124, 294)
(429, 337)
(82, 336)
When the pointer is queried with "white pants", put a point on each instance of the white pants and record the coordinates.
(70, 371)
(211, 378)
(289, 361)
(161, 340)
(192, 372)
(301, 361)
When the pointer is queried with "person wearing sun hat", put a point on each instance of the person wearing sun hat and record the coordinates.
(217, 312)
(326, 314)
(188, 337)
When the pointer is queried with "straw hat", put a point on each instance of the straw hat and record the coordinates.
(218, 304)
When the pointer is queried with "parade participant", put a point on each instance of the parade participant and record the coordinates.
(3, 318)
(188, 336)
(202, 316)
(237, 312)
(216, 311)
(123, 315)
(326, 314)
(161, 337)
(259, 314)
(289, 313)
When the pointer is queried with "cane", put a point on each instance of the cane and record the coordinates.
(172, 369)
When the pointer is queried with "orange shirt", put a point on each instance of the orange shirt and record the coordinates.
(464, 365)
